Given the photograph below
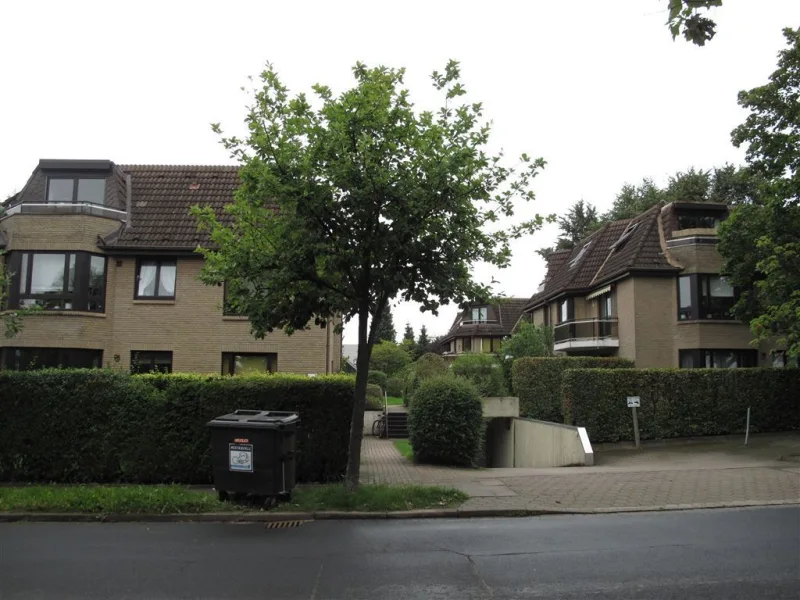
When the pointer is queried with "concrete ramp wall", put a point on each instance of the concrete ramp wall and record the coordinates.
(545, 444)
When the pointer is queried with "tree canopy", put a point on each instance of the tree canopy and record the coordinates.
(761, 239)
(349, 201)
(687, 17)
(409, 333)
(386, 331)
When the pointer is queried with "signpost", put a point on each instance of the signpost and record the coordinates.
(633, 403)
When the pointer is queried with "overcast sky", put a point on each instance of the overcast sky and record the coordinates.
(596, 88)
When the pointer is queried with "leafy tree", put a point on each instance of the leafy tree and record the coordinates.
(761, 239)
(633, 200)
(685, 18)
(692, 185)
(357, 199)
(527, 340)
(386, 331)
(389, 358)
(483, 370)
(409, 333)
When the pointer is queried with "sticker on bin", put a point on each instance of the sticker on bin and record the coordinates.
(241, 457)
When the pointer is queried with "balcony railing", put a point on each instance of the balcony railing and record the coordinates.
(586, 333)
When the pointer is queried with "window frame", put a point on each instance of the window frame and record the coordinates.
(159, 263)
(272, 361)
(700, 305)
(75, 185)
(483, 314)
(745, 358)
(7, 352)
(136, 356)
(77, 274)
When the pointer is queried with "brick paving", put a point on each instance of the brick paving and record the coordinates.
(641, 486)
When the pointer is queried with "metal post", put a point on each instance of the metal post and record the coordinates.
(635, 427)
(747, 428)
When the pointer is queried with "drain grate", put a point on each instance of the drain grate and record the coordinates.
(284, 524)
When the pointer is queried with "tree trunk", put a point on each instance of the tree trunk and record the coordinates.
(357, 420)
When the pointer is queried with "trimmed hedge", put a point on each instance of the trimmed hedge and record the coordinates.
(537, 382)
(425, 367)
(76, 426)
(374, 397)
(445, 422)
(681, 402)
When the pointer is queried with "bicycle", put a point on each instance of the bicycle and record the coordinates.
(379, 426)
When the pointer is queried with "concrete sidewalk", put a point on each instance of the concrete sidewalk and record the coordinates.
(651, 479)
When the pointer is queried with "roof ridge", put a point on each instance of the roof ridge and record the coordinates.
(166, 167)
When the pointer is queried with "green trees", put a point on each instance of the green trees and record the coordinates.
(389, 358)
(761, 239)
(386, 331)
(349, 201)
(685, 17)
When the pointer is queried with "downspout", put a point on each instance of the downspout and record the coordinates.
(328, 348)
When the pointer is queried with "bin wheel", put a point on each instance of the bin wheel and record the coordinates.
(222, 495)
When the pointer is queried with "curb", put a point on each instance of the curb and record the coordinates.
(448, 513)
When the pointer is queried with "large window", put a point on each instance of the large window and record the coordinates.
(151, 362)
(699, 220)
(705, 297)
(29, 359)
(480, 315)
(718, 359)
(76, 189)
(566, 310)
(248, 364)
(155, 279)
(58, 280)
(466, 344)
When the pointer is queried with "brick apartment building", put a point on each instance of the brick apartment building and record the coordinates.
(108, 252)
(648, 289)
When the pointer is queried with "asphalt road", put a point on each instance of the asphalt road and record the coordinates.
(721, 554)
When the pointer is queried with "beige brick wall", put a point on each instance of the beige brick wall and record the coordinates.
(655, 313)
(195, 330)
(626, 317)
(698, 258)
(56, 232)
(191, 326)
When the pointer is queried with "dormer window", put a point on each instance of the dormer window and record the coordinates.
(480, 315)
(90, 190)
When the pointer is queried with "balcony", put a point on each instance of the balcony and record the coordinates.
(585, 335)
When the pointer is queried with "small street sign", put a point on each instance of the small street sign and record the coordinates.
(633, 402)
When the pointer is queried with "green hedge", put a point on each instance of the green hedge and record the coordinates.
(75, 426)
(483, 370)
(378, 378)
(681, 402)
(537, 382)
(445, 421)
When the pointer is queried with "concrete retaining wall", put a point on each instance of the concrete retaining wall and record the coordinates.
(545, 444)
(370, 416)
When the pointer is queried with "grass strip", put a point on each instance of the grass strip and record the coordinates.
(372, 498)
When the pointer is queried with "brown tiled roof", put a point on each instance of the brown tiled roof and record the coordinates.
(504, 315)
(161, 196)
(603, 256)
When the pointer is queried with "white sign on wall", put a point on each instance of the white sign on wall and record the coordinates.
(633, 401)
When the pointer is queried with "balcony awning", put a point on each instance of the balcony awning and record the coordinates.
(600, 292)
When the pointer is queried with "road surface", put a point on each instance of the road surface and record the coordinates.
(721, 554)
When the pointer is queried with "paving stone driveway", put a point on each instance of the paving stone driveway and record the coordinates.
(639, 487)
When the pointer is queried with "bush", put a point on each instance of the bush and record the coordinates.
(374, 397)
(484, 370)
(76, 426)
(394, 386)
(445, 422)
(537, 382)
(681, 402)
(378, 378)
(388, 357)
(426, 366)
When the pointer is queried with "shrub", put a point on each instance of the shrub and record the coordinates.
(537, 382)
(528, 340)
(681, 402)
(389, 358)
(374, 397)
(76, 426)
(426, 366)
(378, 378)
(484, 370)
(394, 386)
(445, 421)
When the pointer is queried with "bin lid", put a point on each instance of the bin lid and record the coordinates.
(258, 419)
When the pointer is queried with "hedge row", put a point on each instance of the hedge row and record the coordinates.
(73, 426)
(681, 402)
(537, 382)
